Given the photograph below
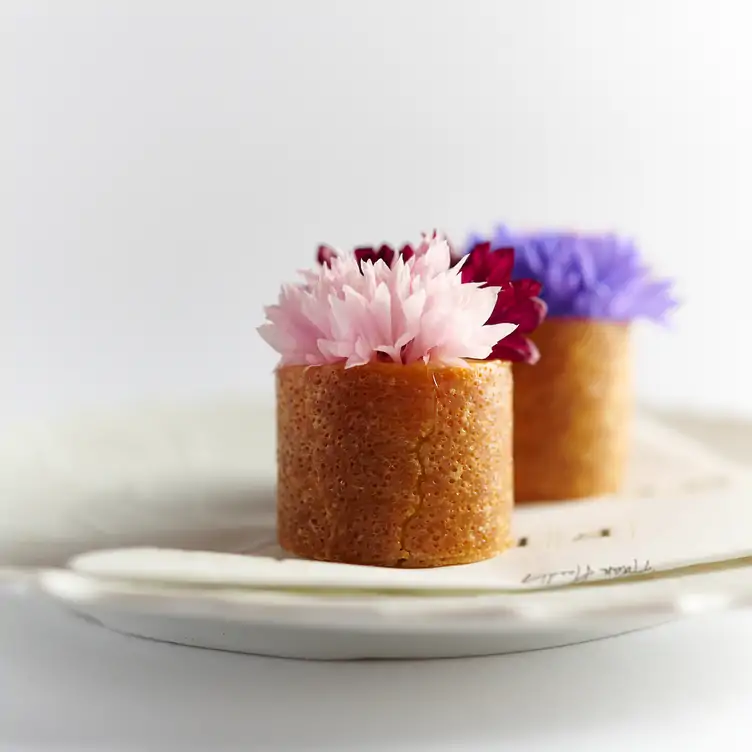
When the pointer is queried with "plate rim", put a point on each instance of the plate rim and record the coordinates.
(724, 589)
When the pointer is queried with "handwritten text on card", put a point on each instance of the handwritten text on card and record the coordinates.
(586, 573)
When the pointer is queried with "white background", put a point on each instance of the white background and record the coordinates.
(166, 164)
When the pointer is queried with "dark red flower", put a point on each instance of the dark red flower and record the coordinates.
(518, 301)
(367, 253)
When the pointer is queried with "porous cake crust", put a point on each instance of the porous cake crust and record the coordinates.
(395, 465)
(573, 411)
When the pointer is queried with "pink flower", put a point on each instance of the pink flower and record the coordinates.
(355, 310)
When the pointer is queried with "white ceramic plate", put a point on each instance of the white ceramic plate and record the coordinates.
(202, 477)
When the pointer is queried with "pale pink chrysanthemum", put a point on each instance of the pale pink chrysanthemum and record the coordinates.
(417, 310)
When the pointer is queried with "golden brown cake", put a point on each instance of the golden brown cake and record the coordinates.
(395, 465)
(573, 411)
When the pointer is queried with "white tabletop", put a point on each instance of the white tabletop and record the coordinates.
(68, 684)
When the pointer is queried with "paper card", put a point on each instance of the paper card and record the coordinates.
(645, 538)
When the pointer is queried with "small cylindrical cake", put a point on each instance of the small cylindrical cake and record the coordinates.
(395, 465)
(394, 405)
(572, 411)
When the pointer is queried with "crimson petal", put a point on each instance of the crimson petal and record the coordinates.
(527, 313)
(324, 255)
(530, 288)
(516, 348)
(407, 252)
(502, 263)
(386, 254)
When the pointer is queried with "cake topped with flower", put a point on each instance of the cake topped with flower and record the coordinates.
(415, 304)
(573, 411)
(592, 276)
(394, 404)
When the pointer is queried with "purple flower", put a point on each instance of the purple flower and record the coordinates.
(587, 276)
